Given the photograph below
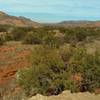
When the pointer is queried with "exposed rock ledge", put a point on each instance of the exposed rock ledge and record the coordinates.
(66, 95)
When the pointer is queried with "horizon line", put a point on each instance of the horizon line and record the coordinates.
(50, 22)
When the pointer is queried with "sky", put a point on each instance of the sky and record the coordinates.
(53, 10)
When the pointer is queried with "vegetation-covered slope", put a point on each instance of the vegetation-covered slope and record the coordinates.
(61, 59)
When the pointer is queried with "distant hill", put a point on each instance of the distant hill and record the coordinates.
(80, 23)
(75, 24)
(25, 22)
(6, 19)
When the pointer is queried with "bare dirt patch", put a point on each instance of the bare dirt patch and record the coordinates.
(13, 57)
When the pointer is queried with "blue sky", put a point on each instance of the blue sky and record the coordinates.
(53, 10)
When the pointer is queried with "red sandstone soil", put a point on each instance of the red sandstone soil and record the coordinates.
(12, 58)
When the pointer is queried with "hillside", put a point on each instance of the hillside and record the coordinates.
(6, 19)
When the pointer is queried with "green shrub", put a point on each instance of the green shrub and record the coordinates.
(32, 38)
(74, 35)
(53, 71)
(56, 69)
(18, 33)
(45, 76)
(2, 40)
(91, 74)
(51, 40)
(89, 67)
